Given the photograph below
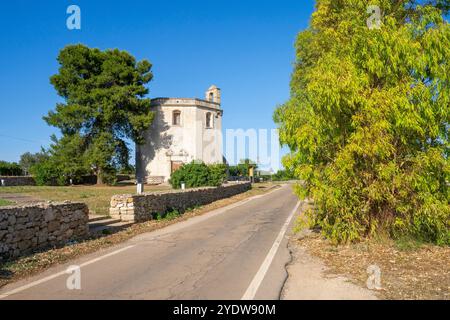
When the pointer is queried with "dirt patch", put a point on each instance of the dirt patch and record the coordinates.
(18, 199)
(310, 279)
(410, 273)
(33, 264)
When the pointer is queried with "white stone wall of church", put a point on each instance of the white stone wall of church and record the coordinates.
(211, 138)
(185, 143)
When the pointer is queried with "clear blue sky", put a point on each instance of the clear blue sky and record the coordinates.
(243, 46)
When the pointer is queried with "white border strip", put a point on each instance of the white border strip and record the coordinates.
(259, 277)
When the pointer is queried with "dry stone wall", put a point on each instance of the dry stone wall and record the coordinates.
(139, 208)
(25, 228)
(16, 181)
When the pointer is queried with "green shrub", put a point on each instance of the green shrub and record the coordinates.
(243, 168)
(283, 175)
(196, 174)
(10, 169)
(108, 176)
(217, 174)
(169, 215)
(192, 175)
(46, 173)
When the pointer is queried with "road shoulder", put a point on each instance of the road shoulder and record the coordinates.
(309, 279)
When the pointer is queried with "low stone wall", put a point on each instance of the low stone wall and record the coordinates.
(17, 181)
(24, 228)
(139, 208)
(155, 180)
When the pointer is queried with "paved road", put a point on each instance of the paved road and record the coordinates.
(225, 254)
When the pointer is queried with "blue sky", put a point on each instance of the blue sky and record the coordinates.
(243, 46)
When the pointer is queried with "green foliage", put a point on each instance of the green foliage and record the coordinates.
(47, 174)
(368, 119)
(104, 104)
(129, 169)
(217, 174)
(64, 161)
(27, 160)
(108, 175)
(243, 168)
(197, 174)
(169, 215)
(192, 175)
(406, 243)
(283, 175)
(10, 169)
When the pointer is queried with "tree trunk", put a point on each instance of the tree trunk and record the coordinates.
(99, 177)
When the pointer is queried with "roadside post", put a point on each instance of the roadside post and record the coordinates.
(139, 185)
(139, 173)
(251, 173)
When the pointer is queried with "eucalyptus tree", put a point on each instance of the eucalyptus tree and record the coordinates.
(368, 117)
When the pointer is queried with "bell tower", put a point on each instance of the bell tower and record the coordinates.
(213, 94)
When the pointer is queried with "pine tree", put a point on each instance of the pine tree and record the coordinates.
(104, 104)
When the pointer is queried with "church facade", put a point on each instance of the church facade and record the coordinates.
(183, 130)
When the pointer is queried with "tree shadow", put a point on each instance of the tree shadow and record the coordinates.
(157, 139)
(5, 274)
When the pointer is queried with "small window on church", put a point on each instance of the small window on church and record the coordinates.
(211, 96)
(176, 118)
(209, 120)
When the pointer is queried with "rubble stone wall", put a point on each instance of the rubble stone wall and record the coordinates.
(28, 227)
(139, 208)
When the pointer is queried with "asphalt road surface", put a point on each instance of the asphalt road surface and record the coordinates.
(236, 252)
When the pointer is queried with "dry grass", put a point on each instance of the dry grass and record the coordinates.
(96, 197)
(33, 264)
(417, 271)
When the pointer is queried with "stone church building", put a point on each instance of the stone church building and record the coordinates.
(182, 131)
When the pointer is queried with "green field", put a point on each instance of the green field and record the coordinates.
(96, 197)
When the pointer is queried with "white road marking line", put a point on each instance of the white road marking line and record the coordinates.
(259, 277)
(56, 275)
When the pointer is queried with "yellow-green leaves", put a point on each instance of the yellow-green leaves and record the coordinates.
(368, 119)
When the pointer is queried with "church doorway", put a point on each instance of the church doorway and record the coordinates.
(176, 165)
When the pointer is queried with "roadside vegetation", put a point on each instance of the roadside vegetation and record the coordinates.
(10, 169)
(198, 174)
(283, 175)
(368, 118)
(242, 169)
